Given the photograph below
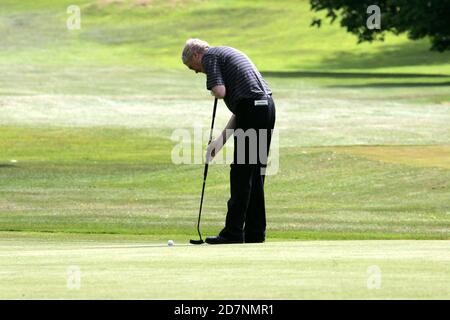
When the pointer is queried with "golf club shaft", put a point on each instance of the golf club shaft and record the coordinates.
(212, 121)
(200, 210)
(205, 172)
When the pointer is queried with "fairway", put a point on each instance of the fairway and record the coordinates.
(35, 267)
(87, 179)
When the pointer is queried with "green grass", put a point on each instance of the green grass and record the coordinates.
(89, 119)
(130, 268)
(276, 34)
(123, 181)
(88, 115)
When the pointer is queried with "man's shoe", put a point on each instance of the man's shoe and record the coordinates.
(221, 240)
(254, 240)
(254, 237)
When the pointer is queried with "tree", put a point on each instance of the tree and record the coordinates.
(417, 18)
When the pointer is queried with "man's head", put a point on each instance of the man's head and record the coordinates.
(193, 53)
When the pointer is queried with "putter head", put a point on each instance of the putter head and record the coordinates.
(196, 241)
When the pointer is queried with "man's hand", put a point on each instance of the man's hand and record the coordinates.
(213, 148)
(218, 91)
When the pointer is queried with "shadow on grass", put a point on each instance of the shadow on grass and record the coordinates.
(347, 75)
(411, 53)
(393, 85)
(7, 165)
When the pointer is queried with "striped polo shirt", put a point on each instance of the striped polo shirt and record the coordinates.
(233, 69)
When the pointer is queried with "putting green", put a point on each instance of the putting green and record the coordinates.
(36, 266)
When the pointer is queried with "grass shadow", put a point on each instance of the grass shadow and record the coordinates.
(7, 166)
(412, 53)
(347, 75)
(382, 85)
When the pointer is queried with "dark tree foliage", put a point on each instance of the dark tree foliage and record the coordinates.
(418, 18)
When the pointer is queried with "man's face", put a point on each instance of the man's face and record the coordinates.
(196, 63)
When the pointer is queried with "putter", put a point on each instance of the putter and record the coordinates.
(205, 174)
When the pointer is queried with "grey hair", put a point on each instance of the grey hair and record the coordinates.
(193, 46)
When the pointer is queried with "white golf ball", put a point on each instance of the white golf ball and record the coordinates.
(170, 243)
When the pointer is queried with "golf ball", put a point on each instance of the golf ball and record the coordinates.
(170, 243)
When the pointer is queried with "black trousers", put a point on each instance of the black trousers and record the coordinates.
(246, 216)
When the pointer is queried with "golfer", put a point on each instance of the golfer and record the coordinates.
(231, 76)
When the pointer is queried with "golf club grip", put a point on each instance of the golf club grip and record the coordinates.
(212, 121)
(205, 172)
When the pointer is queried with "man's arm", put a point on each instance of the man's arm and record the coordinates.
(216, 145)
(228, 131)
(218, 91)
